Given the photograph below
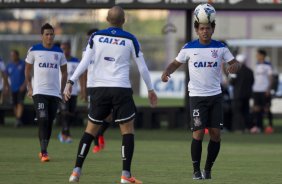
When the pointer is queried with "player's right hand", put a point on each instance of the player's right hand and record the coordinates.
(67, 91)
(152, 98)
(30, 92)
(165, 76)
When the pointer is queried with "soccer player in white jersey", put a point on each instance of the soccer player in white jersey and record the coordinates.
(4, 84)
(99, 140)
(68, 108)
(4, 87)
(47, 61)
(204, 57)
(108, 59)
(261, 90)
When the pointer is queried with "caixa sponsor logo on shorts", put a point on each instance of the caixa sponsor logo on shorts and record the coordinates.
(110, 59)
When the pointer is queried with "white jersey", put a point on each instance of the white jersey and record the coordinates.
(262, 73)
(47, 63)
(2, 70)
(108, 58)
(204, 64)
(72, 65)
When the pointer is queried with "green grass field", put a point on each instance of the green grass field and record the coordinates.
(161, 157)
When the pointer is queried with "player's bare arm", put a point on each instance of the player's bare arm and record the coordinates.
(28, 69)
(268, 92)
(68, 90)
(152, 98)
(64, 77)
(233, 66)
(170, 69)
(82, 82)
(6, 86)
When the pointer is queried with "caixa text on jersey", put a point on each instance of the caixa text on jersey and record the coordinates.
(48, 65)
(205, 64)
(113, 41)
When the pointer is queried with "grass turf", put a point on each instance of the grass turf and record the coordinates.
(161, 157)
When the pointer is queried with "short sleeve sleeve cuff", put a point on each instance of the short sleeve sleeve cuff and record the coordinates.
(181, 57)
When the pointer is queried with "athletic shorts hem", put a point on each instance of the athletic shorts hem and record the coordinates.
(95, 121)
(124, 120)
(202, 128)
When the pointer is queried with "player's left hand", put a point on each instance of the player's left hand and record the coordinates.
(268, 93)
(152, 98)
(233, 68)
(67, 92)
(22, 88)
(83, 95)
(30, 92)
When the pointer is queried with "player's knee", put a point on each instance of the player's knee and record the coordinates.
(198, 135)
(215, 134)
(92, 128)
(215, 137)
(127, 127)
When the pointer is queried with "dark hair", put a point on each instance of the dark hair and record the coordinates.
(46, 26)
(91, 31)
(196, 24)
(262, 52)
(57, 43)
(68, 43)
(16, 52)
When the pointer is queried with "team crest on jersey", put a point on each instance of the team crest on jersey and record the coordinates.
(56, 57)
(197, 121)
(113, 32)
(214, 53)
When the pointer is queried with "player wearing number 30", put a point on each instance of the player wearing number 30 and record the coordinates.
(47, 60)
(204, 57)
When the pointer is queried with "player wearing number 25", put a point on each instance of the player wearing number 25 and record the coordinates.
(205, 57)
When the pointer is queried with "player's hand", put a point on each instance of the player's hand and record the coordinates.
(165, 76)
(6, 91)
(67, 92)
(22, 88)
(83, 95)
(233, 68)
(267, 93)
(152, 98)
(29, 93)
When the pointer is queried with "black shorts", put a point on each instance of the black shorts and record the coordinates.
(260, 99)
(46, 106)
(268, 101)
(70, 105)
(104, 100)
(18, 97)
(206, 112)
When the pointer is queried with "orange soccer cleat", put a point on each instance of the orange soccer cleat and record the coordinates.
(44, 157)
(130, 180)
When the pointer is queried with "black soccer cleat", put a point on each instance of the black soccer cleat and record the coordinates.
(206, 175)
(197, 175)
